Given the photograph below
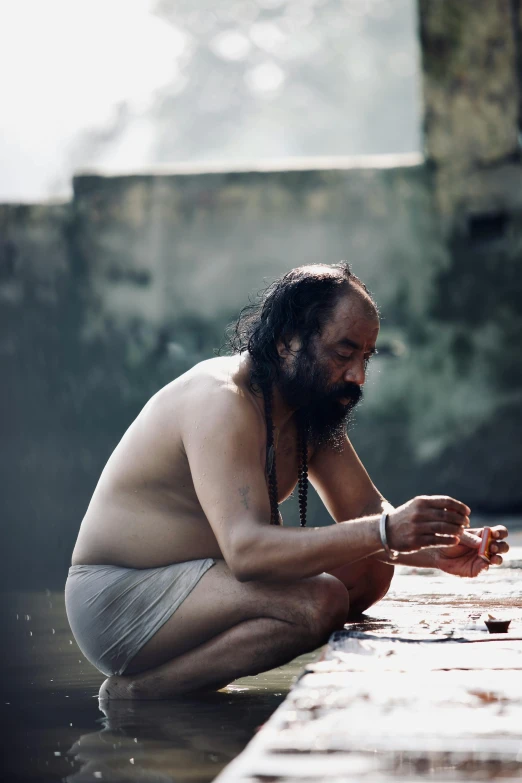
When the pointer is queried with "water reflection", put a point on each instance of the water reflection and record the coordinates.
(183, 740)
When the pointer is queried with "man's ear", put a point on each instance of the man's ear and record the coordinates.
(283, 348)
(288, 346)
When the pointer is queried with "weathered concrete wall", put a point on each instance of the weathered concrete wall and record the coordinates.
(470, 80)
(33, 245)
(471, 85)
(193, 244)
(472, 74)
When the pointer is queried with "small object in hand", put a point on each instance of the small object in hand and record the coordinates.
(497, 626)
(483, 550)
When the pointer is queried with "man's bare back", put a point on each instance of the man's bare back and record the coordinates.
(145, 511)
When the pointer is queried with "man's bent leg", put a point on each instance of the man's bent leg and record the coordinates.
(367, 581)
(247, 649)
(227, 629)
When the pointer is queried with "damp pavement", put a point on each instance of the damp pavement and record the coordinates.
(374, 708)
(418, 691)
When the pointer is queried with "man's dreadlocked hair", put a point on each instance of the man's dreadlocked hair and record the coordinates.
(299, 303)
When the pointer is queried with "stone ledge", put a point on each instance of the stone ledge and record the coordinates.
(316, 163)
(379, 708)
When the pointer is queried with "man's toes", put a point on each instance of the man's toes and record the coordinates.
(115, 688)
(103, 693)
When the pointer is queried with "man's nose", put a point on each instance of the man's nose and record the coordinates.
(356, 374)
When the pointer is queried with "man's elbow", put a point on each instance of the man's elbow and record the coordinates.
(243, 575)
(244, 561)
(243, 569)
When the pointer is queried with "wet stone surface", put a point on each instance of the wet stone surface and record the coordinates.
(419, 690)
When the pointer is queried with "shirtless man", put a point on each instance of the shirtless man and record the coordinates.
(182, 577)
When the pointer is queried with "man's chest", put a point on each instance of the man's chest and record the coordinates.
(287, 462)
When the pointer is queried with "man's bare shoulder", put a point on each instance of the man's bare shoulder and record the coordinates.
(213, 388)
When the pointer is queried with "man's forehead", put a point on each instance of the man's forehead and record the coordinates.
(353, 317)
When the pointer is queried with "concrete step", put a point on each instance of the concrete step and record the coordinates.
(414, 692)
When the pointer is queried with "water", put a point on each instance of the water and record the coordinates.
(54, 729)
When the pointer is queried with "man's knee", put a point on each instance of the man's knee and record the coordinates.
(372, 585)
(329, 605)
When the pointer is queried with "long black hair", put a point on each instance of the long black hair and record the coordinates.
(299, 303)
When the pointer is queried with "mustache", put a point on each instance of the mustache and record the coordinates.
(349, 391)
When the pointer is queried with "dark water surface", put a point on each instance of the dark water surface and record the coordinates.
(54, 730)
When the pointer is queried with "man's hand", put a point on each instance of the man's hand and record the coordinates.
(427, 521)
(463, 560)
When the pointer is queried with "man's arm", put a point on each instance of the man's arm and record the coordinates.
(356, 495)
(347, 491)
(224, 439)
(343, 484)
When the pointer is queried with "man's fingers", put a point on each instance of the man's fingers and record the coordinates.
(452, 517)
(500, 531)
(445, 528)
(432, 540)
(497, 560)
(441, 501)
(499, 546)
(470, 539)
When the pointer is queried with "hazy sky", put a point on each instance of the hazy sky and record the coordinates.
(125, 84)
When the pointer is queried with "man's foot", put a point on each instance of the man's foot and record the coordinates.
(115, 688)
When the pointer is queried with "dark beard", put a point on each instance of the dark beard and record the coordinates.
(305, 387)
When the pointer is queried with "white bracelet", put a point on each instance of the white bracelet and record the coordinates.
(392, 553)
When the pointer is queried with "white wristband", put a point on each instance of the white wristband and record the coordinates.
(392, 553)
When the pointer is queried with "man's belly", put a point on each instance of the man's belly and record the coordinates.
(149, 538)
